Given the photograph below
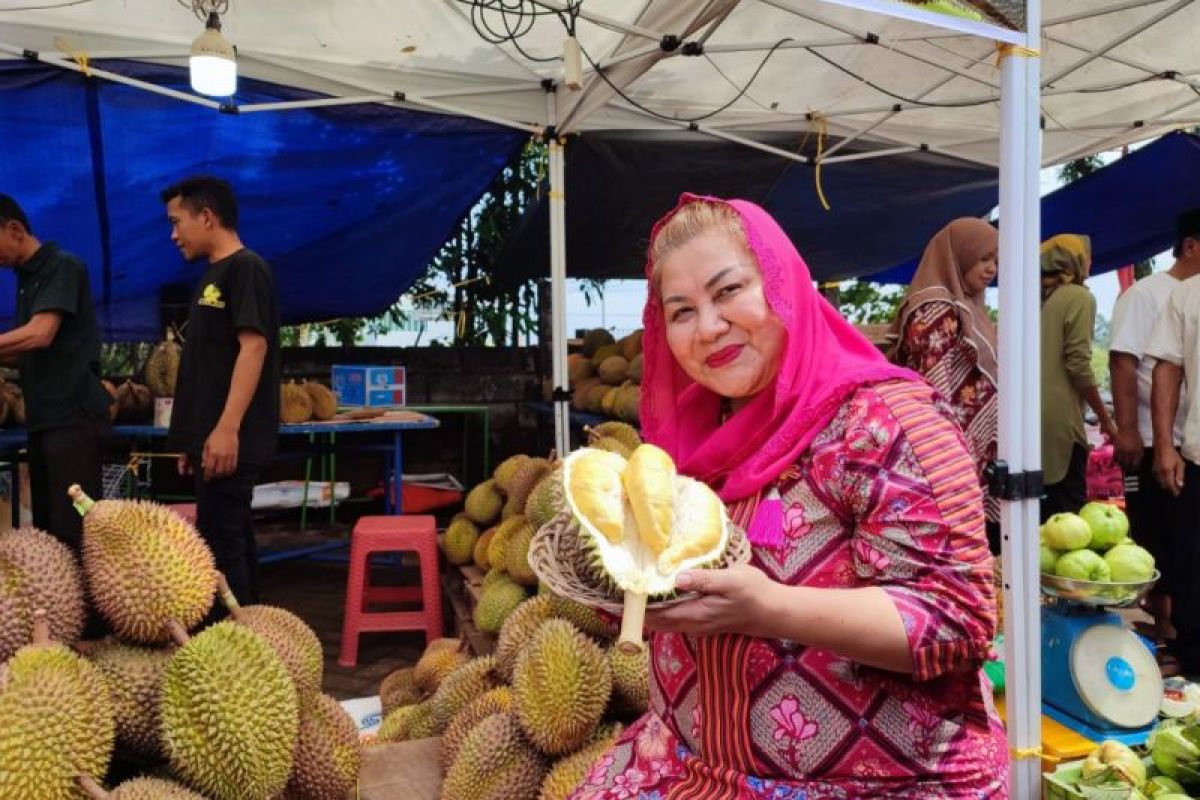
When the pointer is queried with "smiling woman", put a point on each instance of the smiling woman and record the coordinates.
(844, 660)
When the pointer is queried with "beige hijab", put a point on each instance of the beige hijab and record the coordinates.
(939, 278)
(1066, 258)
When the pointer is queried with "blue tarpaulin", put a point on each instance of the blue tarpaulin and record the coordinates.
(349, 204)
(1128, 207)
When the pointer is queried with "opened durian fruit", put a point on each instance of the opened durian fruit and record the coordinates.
(640, 525)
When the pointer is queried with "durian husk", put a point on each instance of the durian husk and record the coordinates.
(461, 687)
(38, 572)
(133, 676)
(398, 689)
(493, 701)
(162, 367)
(296, 644)
(495, 762)
(295, 404)
(631, 680)
(518, 630)
(568, 772)
(482, 545)
(496, 602)
(484, 503)
(433, 667)
(328, 754)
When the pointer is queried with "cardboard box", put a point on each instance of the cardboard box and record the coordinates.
(408, 770)
(368, 387)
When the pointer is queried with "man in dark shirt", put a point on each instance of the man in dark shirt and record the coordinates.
(56, 345)
(225, 419)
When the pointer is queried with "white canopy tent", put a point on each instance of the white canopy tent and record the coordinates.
(1110, 72)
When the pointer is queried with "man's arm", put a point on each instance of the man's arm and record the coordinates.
(1164, 404)
(1127, 444)
(37, 334)
(220, 455)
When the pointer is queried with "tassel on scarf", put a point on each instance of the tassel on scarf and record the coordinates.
(766, 528)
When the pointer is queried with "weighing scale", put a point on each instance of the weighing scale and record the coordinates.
(1098, 677)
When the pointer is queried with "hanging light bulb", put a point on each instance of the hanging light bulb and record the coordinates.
(213, 64)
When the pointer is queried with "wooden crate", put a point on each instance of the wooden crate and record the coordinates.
(462, 587)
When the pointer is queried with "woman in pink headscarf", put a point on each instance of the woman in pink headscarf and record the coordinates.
(845, 660)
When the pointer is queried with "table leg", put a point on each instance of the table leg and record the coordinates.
(307, 478)
(332, 478)
(487, 442)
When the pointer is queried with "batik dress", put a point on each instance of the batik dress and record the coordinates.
(885, 496)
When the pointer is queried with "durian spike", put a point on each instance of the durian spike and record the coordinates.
(3, 676)
(633, 620)
(91, 788)
(227, 596)
(41, 628)
(178, 634)
(83, 503)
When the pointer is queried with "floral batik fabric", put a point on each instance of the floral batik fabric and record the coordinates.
(885, 496)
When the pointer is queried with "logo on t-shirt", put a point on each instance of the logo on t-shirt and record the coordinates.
(211, 297)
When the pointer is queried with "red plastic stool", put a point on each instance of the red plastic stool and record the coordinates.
(413, 533)
(185, 510)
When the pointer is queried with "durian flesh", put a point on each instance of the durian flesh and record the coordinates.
(642, 523)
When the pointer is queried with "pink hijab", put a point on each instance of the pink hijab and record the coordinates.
(825, 360)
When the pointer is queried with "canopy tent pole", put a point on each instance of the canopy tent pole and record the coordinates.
(1020, 394)
(558, 284)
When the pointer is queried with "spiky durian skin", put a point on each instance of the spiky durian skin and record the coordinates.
(505, 474)
(483, 503)
(495, 762)
(328, 754)
(631, 680)
(458, 543)
(585, 618)
(461, 687)
(133, 676)
(516, 555)
(229, 714)
(546, 500)
(621, 431)
(146, 565)
(433, 667)
(398, 689)
(152, 789)
(293, 641)
(493, 701)
(496, 602)
(38, 571)
(524, 480)
(498, 547)
(56, 721)
(399, 721)
(561, 686)
(568, 772)
(518, 630)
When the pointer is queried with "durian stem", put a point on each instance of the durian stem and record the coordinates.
(83, 503)
(91, 788)
(227, 596)
(41, 628)
(179, 635)
(633, 619)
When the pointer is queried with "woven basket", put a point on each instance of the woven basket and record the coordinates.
(554, 556)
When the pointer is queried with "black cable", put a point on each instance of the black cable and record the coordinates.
(712, 113)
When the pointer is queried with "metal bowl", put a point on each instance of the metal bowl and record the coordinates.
(1095, 593)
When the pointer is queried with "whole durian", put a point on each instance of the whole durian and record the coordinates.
(290, 637)
(408, 722)
(229, 713)
(493, 701)
(295, 404)
(461, 687)
(133, 676)
(495, 762)
(516, 554)
(631, 680)
(518, 630)
(561, 687)
(398, 689)
(328, 754)
(38, 571)
(507, 472)
(434, 665)
(622, 432)
(458, 542)
(480, 555)
(594, 339)
(145, 566)
(162, 368)
(484, 503)
(496, 602)
(56, 721)
(567, 773)
(546, 500)
(324, 403)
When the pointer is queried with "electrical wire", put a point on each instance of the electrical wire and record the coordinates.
(517, 18)
(202, 8)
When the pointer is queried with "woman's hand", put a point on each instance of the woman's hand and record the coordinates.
(741, 599)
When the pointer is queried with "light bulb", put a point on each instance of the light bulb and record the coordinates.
(213, 64)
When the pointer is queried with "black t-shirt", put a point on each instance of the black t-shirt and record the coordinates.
(234, 294)
(61, 382)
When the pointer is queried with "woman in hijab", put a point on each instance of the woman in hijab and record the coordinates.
(1068, 318)
(844, 659)
(943, 331)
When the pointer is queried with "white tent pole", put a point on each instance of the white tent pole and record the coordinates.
(324, 102)
(558, 284)
(1020, 397)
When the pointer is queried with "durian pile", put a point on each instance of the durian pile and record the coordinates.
(501, 515)
(162, 367)
(232, 711)
(306, 401)
(132, 403)
(528, 721)
(605, 376)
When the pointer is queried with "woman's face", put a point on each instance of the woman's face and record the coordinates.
(719, 326)
(981, 274)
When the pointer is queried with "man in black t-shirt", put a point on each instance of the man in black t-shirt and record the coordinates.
(56, 345)
(225, 418)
